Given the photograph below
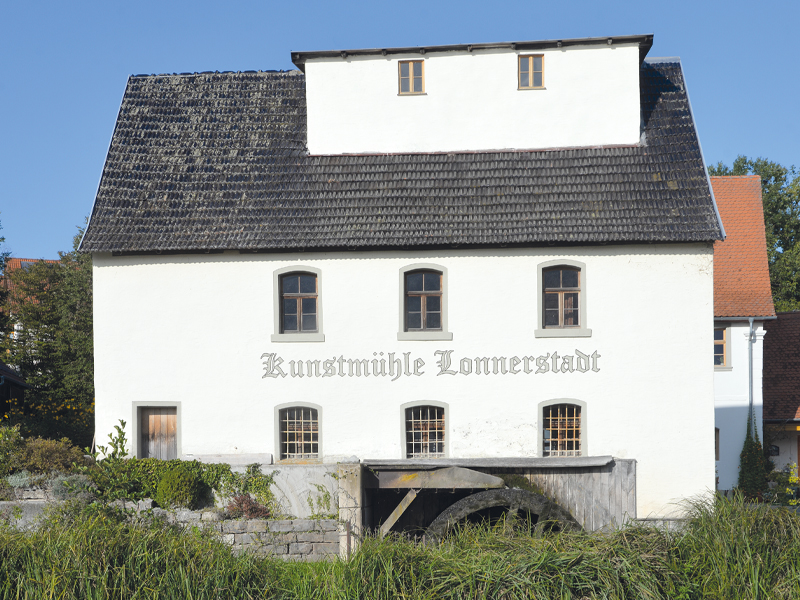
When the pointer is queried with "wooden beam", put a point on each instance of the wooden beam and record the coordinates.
(397, 512)
(451, 478)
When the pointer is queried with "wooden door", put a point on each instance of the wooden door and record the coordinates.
(158, 429)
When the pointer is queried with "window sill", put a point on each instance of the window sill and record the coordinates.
(297, 337)
(562, 333)
(723, 368)
(530, 89)
(412, 94)
(424, 336)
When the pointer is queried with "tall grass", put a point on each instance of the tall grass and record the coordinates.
(728, 550)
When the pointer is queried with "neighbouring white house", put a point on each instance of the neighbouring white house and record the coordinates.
(487, 256)
(742, 306)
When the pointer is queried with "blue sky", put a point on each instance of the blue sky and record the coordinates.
(65, 64)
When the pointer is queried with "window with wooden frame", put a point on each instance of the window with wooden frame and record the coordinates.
(531, 72)
(423, 301)
(425, 432)
(299, 303)
(561, 430)
(561, 297)
(411, 77)
(720, 347)
(299, 433)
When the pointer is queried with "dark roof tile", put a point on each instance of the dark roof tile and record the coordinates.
(214, 161)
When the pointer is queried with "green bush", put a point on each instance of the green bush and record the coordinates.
(38, 455)
(6, 491)
(10, 442)
(179, 487)
(65, 487)
(22, 479)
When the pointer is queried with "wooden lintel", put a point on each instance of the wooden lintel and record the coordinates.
(397, 512)
(447, 478)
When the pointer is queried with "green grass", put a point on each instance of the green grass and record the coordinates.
(728, 550)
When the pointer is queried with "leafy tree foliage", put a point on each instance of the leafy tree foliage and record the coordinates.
(780, 188)
(5, 322)
(50, 307)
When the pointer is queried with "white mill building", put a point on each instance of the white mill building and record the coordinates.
(487, 256)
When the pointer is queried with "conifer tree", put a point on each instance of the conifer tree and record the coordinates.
(752, 467)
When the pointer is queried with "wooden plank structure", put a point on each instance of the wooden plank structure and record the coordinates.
(598, 491)
(158, 432)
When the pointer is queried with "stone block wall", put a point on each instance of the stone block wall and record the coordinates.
(295, 539)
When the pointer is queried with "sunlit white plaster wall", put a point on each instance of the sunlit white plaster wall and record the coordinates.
(732, 401)
(193, 329)
(471, 102)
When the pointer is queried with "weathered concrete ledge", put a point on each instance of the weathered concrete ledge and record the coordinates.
(554, 462)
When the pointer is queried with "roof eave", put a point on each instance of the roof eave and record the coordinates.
(645, 42)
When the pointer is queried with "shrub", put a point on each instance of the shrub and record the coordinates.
(10, 442)
(179, 487)
(243, 505)
(752, 468)
(38, 455)
(6, 491)
(24, 479)
(66, 487)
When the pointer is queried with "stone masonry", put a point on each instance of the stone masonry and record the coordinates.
(295, 539)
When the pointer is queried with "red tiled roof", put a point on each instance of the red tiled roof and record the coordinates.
(741, 274)
(782, 367)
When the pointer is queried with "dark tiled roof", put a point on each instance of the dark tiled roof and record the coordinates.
(741, 270)
(11, 376)
(219, 161)
(782, 367)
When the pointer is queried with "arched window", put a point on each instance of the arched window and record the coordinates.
(299, 303)
(425, 431)
(562, 430)
(298, 428)
(423, 300)
(562, 293)
(562, 299)
(423, 303)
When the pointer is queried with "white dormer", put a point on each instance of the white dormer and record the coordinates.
(519, 96)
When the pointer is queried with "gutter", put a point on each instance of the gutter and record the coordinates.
(745, 318)
(645, 42)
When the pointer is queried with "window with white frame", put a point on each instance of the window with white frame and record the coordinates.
(562, 306)
(562, 430)
(425, 431)
(298, 304)
(299, 432)
(423, 303)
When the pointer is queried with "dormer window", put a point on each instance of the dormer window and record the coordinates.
(531, 72)
(412, 77)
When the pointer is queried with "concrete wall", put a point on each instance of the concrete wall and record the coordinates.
(193, 329)
(471, 102)
(731, 400)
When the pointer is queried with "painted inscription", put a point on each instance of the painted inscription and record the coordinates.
(395, 365)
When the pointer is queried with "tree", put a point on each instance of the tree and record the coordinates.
(5, 321)
(780, 188)
(752, 465)
(51, 306)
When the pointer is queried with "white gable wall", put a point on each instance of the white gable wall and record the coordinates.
(192, 329)
(471, 102)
